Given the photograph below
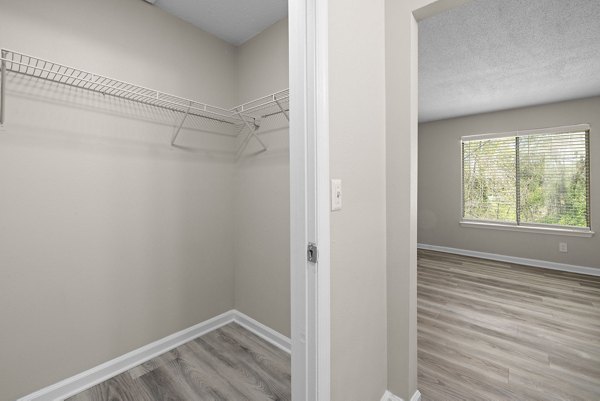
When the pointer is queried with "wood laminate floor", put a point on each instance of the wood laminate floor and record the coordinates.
(498, 331)
(228, 364)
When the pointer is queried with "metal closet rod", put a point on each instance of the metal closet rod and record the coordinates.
(20, 63)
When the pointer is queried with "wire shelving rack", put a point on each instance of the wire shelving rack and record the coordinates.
(242, 119)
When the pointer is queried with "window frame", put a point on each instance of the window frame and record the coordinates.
(540, 228)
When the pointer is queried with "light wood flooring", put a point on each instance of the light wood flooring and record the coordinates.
(228, 364)
(498, 331)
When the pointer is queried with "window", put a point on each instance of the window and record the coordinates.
(538, 178)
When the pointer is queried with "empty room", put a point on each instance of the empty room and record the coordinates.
(509, 163)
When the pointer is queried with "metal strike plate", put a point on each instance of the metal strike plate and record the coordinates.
(312, 253)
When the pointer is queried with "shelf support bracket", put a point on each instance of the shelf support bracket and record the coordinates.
(287, 117)
(251, 134)
(176, 133)
(2, 85)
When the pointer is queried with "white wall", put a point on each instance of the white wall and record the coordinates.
(401, 94)
(440, 184)
(357, 143)
(109, 238)
(262, 189)
(373, 141)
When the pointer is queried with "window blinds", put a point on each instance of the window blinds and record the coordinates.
(529, 179)
(489, 179)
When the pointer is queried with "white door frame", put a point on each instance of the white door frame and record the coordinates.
(309, 198)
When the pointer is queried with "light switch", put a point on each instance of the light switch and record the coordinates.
(562, 247)
(336, 195)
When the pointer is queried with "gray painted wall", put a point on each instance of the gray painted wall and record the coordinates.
(357, 152)
(401, 94)
(262, 189)
(109, 238)
(373, 149)
(440, 181)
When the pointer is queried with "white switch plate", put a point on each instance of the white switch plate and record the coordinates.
(562, 247)
(336, 195)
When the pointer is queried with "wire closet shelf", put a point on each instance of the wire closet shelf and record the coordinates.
(245, 118)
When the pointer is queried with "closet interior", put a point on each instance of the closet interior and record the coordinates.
(145, 172)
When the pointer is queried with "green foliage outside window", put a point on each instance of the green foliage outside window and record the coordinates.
(535, 179)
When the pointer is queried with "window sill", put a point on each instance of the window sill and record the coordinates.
(528, 229)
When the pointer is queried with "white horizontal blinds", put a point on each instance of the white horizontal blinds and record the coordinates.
(537, 178)
(489, 179)
(554, 179)
(540, 131)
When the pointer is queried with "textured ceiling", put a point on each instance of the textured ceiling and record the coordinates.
(234, 21)
(491, 55)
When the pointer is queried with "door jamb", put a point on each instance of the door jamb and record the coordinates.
(309, 198)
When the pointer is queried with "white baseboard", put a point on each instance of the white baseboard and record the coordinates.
(388, 396)
(82, 381)
(592, 271)
(266, 333)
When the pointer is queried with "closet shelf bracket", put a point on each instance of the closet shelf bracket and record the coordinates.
(251, 134)
(2, 85)
(176, 133)
(283, 111)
